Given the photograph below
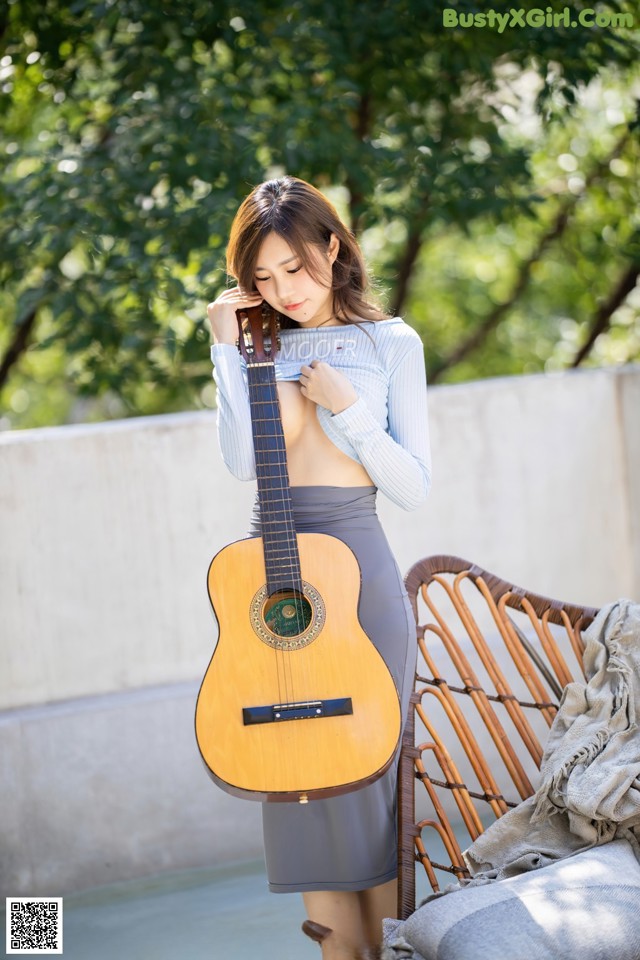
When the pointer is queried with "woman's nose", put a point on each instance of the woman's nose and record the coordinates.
(283, 290)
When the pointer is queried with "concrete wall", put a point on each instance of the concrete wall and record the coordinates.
(106, 628)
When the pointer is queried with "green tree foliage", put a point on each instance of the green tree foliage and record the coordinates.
(131, 130)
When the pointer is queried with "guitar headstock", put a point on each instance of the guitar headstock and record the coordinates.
(258, 341)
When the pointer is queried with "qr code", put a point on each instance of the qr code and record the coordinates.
(34, 925)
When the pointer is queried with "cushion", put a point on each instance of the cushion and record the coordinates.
(586, 906)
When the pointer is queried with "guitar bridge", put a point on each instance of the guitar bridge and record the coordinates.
(303, 710)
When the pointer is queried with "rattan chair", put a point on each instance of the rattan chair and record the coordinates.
(493, 660)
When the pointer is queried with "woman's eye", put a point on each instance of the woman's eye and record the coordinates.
(295, 269)
(261, 279)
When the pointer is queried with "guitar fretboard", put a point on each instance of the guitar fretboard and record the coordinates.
(282, 561)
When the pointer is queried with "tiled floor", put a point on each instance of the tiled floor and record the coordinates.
(223, 914)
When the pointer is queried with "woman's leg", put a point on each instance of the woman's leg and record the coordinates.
(376, 903)
(355, 918)
(340, 911)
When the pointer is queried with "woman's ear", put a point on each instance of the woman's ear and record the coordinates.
(334, 248)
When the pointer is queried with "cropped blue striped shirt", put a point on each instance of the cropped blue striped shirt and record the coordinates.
(386, 429)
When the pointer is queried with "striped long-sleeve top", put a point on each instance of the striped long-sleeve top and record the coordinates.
(386, 429)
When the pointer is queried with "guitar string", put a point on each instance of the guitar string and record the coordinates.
(275, 462)
(275, 545)
(268, 456)
(254, 390)
(291, 537)
(272, 455)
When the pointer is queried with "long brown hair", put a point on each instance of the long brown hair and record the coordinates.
(303, 217)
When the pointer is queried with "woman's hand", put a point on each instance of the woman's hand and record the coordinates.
(222, 313)
(326, 386)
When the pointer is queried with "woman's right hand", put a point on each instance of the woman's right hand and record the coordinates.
(222, 313)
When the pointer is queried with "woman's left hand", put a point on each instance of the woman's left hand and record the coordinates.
(326, 386)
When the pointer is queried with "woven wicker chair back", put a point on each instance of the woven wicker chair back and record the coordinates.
(493, 660)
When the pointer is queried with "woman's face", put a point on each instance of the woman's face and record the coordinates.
(285, 283)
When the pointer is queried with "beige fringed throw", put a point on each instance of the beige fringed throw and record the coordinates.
(590, 775)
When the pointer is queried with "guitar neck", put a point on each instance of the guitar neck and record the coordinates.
(282, 560)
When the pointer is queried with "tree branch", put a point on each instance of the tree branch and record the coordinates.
(18, 345)
(356, 196)
(493, 318)
(25, 326)
(405, 269)
(555, 232)
(602, 319)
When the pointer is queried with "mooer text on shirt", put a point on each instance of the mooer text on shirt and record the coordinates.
(303, 351)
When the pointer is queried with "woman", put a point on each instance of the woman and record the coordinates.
(352, 391)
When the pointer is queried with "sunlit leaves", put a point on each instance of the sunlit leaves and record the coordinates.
(130, 131)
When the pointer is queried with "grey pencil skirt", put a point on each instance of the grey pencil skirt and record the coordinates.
(347, 842)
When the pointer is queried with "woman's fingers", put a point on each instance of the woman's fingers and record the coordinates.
(222, 312)
(327, 386)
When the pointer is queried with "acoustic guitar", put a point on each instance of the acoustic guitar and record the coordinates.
(296, 703)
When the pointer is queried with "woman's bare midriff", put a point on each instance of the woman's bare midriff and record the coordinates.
(312, 458)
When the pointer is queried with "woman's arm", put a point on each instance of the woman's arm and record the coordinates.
(398, 462)
(234, 413)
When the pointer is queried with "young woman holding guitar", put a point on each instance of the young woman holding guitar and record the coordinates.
(352, 392)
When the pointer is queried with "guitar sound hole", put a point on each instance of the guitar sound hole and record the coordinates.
(287, 613)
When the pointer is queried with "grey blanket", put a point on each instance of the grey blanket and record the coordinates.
(589, 794)
(589, 789)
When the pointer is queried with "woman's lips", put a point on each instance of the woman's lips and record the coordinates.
(293, 306)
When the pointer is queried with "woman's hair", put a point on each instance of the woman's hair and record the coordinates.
(303, 217)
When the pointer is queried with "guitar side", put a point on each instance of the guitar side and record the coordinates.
(314, 755)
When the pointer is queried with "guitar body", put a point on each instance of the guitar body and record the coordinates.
(296, 712)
